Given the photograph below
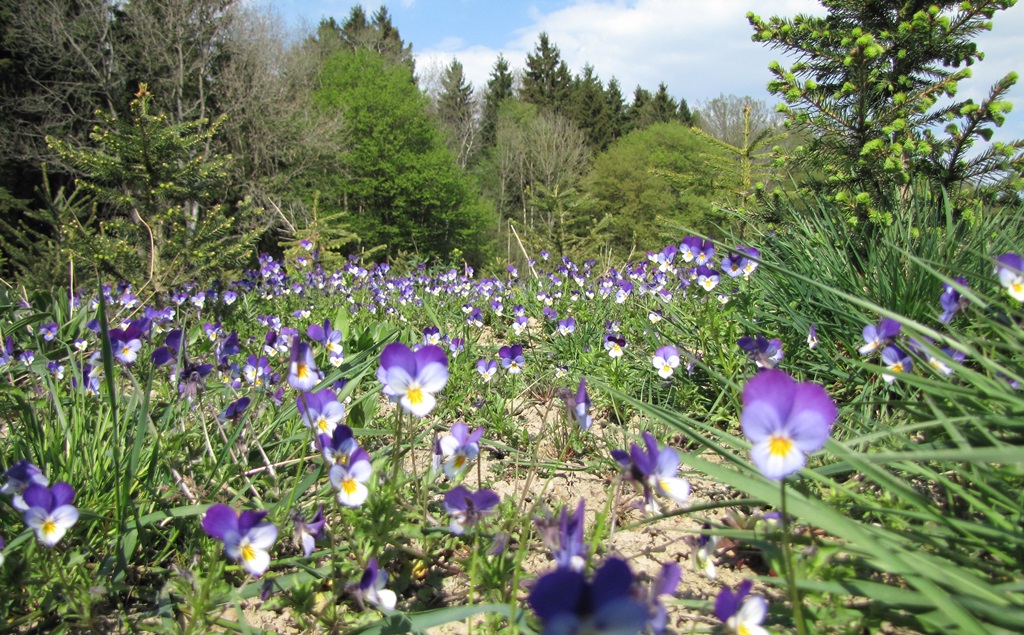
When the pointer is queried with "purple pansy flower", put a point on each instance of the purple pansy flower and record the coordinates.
(467, 508)
(487, 368)
(666, 360)
(812, 337)
(740, 612)
(307, 533)
(50, 512)
(320, 410)
(371, 587)
(656, 470)
(18, 478)
(413, 377)
(247, 537)
(512, 358)
(784, 420)
(896, 361)
(765, 353)
(566, 602)
(669, 577)
(459, 448)
(302, 371)
(878, 337)
(951, 300)
(48, 331)
(1010, 269)
(234, 410)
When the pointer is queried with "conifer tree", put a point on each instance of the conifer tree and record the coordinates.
(547, 81)
(162, 226)
(456, 112)
(872, 87)
(616, 108)
(499, 88)
(589, 109)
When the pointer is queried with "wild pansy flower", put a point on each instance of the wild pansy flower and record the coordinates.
(247, 537)
(230, 297)
(785, 421)
(878, 337)
(48, 331)
(487, 368)
(18, 478)
(669, 577)
(192, 379)
(234, 410)
(512, 358)
(703, 550)
(666, 360)
(656, 470)
(752, 254)
(307, 533)
(519, 324)
(226, 349)
(896, 361)
(951, 300)
(567, 326)
(734, 265)
(1010, 269)
(475, 318)
(412, 378)
(764, 352)
(320, 410)
(27, 357)
(302, 371)
(707, 277)
(459, 448)
(566, 602)
(549, 314)
(431, 335)
(467, 508)
(740, 612)
(578, 404)
(688, 248)
(655, 316)
(56, 369)
(615, 345)
(329, 337)
(456, 345)
(371, 587)
(812, 337)
(350, 465)
(50, 512)
(570, 551)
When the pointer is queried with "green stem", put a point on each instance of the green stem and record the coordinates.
(787, 556)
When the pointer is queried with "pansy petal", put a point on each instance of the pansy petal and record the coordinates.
(218, 520)
(433, 376)
(773, 465)
(263, 536)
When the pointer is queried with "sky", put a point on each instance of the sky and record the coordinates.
(699, 48)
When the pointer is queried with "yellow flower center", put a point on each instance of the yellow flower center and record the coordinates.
(349, 486)
(49, 527)
(301, 370)
(1018, 287)
(248, 553)
(322, 424)
(897, 367)
(460, 461)
(666, 369)
(415, 396)
(779, 445)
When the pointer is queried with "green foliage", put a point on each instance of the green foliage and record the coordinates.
(652, 181)
(156, 180)
(874, 84)
(751, 144)
(397, 181)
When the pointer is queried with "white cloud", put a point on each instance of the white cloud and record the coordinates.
(699, 48)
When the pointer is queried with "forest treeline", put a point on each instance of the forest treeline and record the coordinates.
(164, 142)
